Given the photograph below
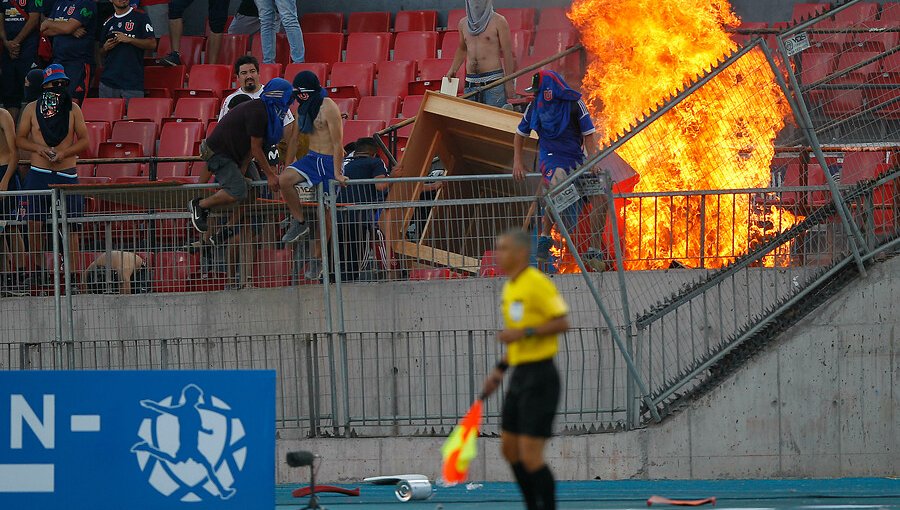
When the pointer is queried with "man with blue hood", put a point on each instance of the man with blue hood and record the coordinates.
(319, 117)
(565, 129)
(244, 134)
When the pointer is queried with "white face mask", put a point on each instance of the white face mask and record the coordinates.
(479, 14)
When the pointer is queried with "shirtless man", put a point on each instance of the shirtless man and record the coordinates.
(10, 242)
(48, 129)
(129, 267)
(484, 38)
(319, 117)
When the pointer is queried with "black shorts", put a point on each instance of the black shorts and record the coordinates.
(217, 13)
(531, 402)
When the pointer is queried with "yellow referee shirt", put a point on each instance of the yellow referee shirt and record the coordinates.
(529, 301)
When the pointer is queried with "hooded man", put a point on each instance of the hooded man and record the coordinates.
(484, 39)
(565, 129)
(245, 133)
(52, 129)
(319, 117)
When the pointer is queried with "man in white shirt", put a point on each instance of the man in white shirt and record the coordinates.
(247, 70)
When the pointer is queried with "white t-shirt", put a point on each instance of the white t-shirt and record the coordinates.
(288, 117)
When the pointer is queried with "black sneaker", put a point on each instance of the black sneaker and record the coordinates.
(172, 59)
(198, 215)
(295, 232)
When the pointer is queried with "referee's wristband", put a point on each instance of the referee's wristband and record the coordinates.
(502, 366)
(530, 332)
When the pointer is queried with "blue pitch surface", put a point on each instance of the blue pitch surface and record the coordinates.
(841, 494)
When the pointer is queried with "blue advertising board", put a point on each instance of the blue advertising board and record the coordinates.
(141, 440)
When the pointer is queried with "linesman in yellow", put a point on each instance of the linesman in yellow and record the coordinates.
(533, 314)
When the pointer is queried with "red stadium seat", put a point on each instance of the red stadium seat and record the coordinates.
(551, 42)
(98, 132)
(414, 21)
(554, 18)
(816, 65)
(211, 77)
(881, 96)
(381, 108)
(861, 166)
(269, 71)
(434, 69)
(282, 48)
(325, 48)
(273, 268)
(834, 41)
(350, 74)
(120, 150)
(521, 42)
(891, 63)
(854, 58)
(434, 274)
(368, 47)
(863, 12)
(115, 170)
(454, 16)
(356, 129)
(168, 171)
(809, 10)
(164, 78)
(816, 177)
(178, 139)
(393, 77)
(86, 171)
(410, 107)
(211, 127)
(172, 271)
(369, 22)
(791, 180)
(879, 41)
(347, 106)
(191, 49)
(319, 22)
(519, 19)
(202, 108)
(415, 46)
(140, 132)
(149, 108)
(890, 11)
(449, 44)
(489, 267)
(103, 110)
(233, 46)
(841, 103)
(321, 70)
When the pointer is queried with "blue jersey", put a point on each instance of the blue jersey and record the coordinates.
(68, 48)
(565, 151)
(123, 66)
(15, 14)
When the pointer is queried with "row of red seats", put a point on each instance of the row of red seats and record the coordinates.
(410, 21)
(863, 12)
(329, 48)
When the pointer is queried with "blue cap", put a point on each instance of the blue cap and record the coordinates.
(54, 72)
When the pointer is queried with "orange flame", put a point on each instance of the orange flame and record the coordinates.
(720, 137)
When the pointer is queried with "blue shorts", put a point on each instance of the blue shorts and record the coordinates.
(315, 168)
(551, 164)
(37, 207)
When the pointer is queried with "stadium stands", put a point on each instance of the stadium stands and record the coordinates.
(394, 77)
(317, 22)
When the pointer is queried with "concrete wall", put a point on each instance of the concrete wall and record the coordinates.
(822, 402)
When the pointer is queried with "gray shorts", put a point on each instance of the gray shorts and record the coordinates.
(244, 25)
(228, 175)
(159, 18)
(109, 92)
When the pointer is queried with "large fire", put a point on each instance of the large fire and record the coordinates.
(720, 137)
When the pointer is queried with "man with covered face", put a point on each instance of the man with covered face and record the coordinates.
(242, 134)
(486, 47)
(319, 117)
(52, 129)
